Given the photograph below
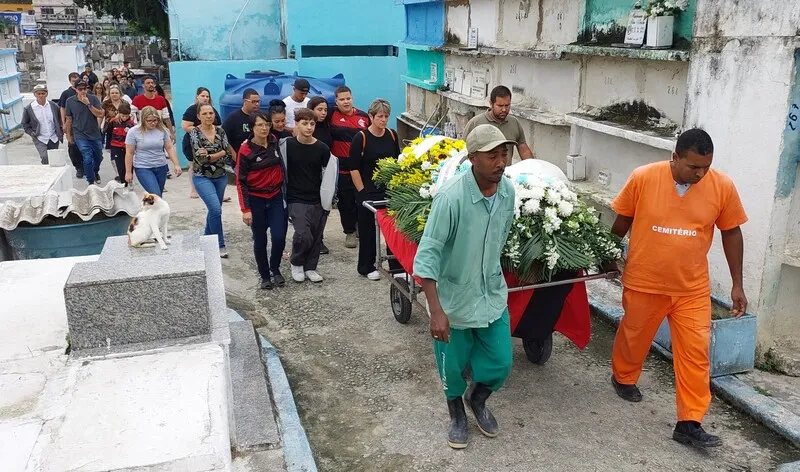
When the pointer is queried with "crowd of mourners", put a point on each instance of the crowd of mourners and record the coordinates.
(291, 158)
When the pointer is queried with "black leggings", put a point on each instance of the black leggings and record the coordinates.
(118, 158)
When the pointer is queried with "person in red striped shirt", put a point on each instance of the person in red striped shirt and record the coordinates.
(345, 122)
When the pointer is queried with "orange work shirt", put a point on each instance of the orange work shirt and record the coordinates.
(671, 235)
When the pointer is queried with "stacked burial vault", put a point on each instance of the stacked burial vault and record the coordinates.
(134, 300)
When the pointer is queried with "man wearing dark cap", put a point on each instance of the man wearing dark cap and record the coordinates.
(466, 296)
(82, 128)
(298, 99)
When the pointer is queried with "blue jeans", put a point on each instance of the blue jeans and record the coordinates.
(92, 153)
(152, 179)
(269, 214)
(211, 192)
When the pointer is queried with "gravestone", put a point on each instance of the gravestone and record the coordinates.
(146, 297)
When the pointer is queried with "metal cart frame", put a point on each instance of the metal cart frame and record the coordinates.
(403, 291)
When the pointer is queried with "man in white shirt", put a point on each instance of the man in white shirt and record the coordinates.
(298, 99)
(41, 120)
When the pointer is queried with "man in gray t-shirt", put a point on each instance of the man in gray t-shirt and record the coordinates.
(83, 112)
(498, 116)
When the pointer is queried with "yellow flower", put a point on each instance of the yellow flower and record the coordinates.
(421, 223)
(408, 150)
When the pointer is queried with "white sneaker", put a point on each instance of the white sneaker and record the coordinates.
(313, 276)
(297, 273)
(374, 275)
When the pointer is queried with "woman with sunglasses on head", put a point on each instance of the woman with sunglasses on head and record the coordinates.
(210, 150)
(261, 181)
(147, 146)
(190, 120)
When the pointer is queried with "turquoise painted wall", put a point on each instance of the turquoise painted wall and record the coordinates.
(380, 22)
(188, 75)
(257, 45)
(208, 30)
(605, 14)
(383, 82)
(344, 22)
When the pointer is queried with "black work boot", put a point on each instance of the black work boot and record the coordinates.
(458, 436)
(691, 433)
(627, 392)
(266, 284)
(476, 396)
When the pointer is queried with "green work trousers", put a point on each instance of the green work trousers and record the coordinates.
(487, 351)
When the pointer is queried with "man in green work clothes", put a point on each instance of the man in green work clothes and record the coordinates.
(458, 260)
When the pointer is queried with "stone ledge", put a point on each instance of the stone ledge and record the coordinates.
(254, 425)
(423, 84)
(106, 271)
(629, 53)
(411, 120)
(621, 131)
(485, 51)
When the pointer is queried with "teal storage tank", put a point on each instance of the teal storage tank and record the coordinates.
(272, 85)
(75, 238)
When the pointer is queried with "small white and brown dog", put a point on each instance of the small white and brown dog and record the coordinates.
(150, 225)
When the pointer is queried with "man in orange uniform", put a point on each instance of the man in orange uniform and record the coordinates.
(671, 209)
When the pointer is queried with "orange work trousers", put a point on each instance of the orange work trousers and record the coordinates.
(690, 326)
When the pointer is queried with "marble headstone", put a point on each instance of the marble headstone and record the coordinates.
(138, 295)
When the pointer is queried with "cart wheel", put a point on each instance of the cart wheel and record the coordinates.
(538, 352)
(401, 306)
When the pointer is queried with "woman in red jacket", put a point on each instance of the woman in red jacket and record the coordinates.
(261, 183)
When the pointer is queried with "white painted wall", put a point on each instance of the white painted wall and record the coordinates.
(415, 100)
(483, 15)
(519, 26)
(616, 156)
(537, 24)
(550, 85)
(550, 143)
(661, 84)
(561, 22)
(470, 64)
(738, 88)
(457, 20)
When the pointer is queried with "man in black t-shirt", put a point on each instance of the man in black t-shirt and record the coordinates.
(306, 158)
(237, 124)
(75, 156)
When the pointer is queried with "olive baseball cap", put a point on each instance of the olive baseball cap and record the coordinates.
(484, 138)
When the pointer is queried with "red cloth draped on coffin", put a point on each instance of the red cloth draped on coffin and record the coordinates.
(574, 322)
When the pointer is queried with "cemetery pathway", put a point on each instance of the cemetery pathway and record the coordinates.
(370, 400)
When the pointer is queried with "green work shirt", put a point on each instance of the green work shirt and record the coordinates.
(461, 247)
(511, 128)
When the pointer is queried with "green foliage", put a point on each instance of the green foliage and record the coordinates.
(143, 16)
(407, 208)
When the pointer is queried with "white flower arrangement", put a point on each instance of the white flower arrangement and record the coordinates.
(656, 8)
(553, 231)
